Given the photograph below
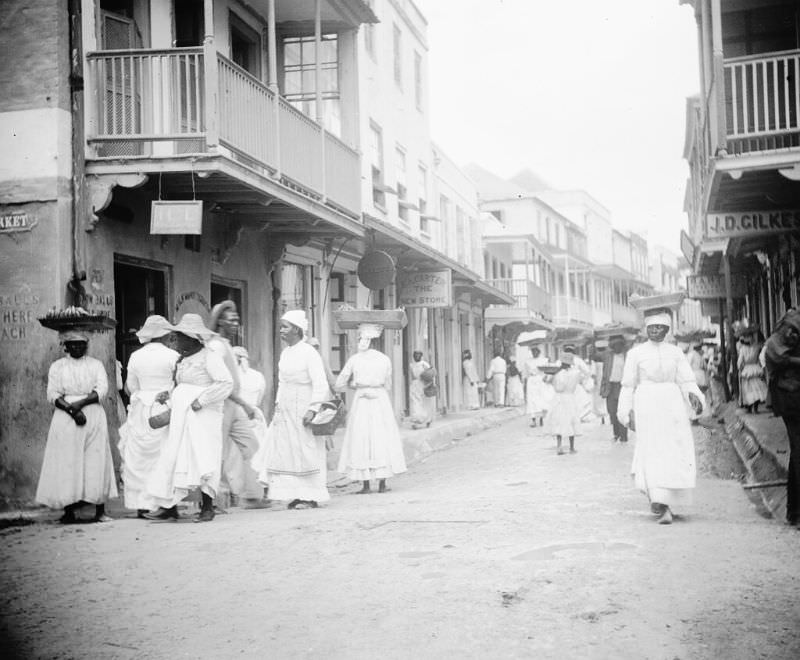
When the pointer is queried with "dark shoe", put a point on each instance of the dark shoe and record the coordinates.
(140, 513)
(102, 518)
(205, 516)
(293, 504)
(162, 514)
(68, 519)
(666, 517)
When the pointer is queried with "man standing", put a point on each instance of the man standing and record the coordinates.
(239, 441)
(497, 378)
(613, 367)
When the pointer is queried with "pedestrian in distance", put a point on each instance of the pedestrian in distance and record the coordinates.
(657, 385)
(372, 447)
(191, 458)
(752, 387)
(151, 374)
(564, 419)
(611, 384)
(421, 405)
(77, 468)
(538, 393)
(496, 378)
(515, 394)
(782, 358)
(469, 381)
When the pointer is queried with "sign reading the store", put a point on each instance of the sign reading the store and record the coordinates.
(708, 287)
(176, 217)
(753, 223)
(427, 288)
(11, 223)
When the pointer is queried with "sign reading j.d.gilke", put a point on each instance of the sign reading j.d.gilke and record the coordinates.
(707, 287)
(727, 225)
(428, 288)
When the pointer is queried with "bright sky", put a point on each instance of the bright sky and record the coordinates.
(586, 93)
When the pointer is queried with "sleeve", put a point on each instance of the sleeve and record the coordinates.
(387, 382)
(343, 378)
(739, 360)
(55, 388)
(685, 378)
(630, 379)
(132, 381)
(262, 388)
(223, 350)
(320, 392)
(222, 386)
(100, 379)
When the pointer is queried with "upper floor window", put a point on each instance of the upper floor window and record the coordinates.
(376, 163)
(369, 33)
(422, 192)
(300, 88)
(418, 80)
(397, 50)
(245, 45)
(444, 216)
(461, 236)
(402, 184)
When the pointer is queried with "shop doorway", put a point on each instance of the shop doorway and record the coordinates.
(140, 289)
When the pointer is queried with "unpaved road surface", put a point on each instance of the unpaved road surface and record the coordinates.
(495, 548)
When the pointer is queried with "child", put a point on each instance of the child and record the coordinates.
(564, 416)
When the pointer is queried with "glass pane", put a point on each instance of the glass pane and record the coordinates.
(308, 52)
(329, 51)
(308, 82)
(291, 53)
(293, 82)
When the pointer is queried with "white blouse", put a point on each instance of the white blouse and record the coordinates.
(69, 377)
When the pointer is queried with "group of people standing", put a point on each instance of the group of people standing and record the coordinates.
(195, 424)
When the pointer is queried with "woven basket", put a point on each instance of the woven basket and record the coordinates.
(390, 319)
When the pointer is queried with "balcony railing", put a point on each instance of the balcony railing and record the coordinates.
(151, 103)
(762, 99)
(527, 296)
(572, 311)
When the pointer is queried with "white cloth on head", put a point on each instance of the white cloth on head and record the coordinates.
(296, 317)
(661, 318)
(77, 461)
(369, 330)
(150, 372)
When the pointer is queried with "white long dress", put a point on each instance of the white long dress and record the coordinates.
(538, 394)
(192, 456)
(656, 382)
(469, 385)
(150, 371)
(564, 416)
(295, 464)
(372, 446)
(497, 377)
(77, 461)
(421, 406)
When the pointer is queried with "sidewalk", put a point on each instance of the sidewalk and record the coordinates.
(763, 446)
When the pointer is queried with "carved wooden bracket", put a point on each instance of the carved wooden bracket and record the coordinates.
(101, 190)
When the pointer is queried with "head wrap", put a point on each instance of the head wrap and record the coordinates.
(73, 335)
(155, 326)
(241, 351)
(662, 318)
(369, 330)
(297, 317)
(192, 325)
(217, 310)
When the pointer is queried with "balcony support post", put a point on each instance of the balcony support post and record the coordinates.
(318, 91)
(273, 84)
(211, 71)
(720, 132)
(90, 77)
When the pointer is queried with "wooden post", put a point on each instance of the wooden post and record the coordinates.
(273, 85)
(723, 350)
(718, 80)
(726, 268)
(211, 71)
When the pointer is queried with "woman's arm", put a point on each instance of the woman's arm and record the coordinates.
(343, 379)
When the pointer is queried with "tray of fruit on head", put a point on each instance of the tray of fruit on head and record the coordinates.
(549, 369)
(76, 318)
(350, 318)
(670, 301)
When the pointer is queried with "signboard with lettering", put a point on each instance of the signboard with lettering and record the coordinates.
(687, 247)
(708, 287)
(753, 223)
(176, 217)
(427, 288)
(11, 223)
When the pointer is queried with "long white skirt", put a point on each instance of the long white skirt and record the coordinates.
(539, 396)
(516, 395)
(663, 465)
(498, 385)
(192, 455)
(372, 446)
(421, 406)
(139, 446)
(564, 417)
(77, 463)
(471, 399)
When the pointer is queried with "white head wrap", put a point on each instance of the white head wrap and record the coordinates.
(658, 319)
(369, 330)
(155, 326)
(73, 335)
(296, 317)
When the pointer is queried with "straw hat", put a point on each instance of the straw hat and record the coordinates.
(192, 325)
(217, 310)
(155, 326)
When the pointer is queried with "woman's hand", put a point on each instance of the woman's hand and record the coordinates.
(696, 403)
(162, 397)
(249, 411)
(308, 417)
(77, 416)
(196, 405)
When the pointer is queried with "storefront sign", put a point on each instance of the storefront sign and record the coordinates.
(17, 315)
(11, 223)
(709, 287)
(427, 288)
(376, 270)
(726, 225)
(687, 247)
(176, 217)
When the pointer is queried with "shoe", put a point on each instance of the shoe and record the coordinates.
(68, 519)
(665, 518)
(162, 514)
(104, 518)
(560, 452)
(205, 516)
(573, 451)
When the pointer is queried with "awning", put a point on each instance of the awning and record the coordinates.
(411, 253)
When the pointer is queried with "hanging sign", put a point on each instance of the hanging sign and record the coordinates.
(427, 288)
(176, 217)
(376, 270)
(751, 223)
(708, 287)
(687, 247)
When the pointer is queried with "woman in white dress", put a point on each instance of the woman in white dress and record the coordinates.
(469, 381)
(295, 466)
(515, 394)
(564, 418)
(538, 393)
(77, 466)
(658, 387)
(421, 405)
(151, 372)
(752, 386)
(372, 446)
(191, 458)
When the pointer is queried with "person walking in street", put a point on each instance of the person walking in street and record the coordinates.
(238, 438)
(657, 384)
(192, 456)
(782, 358)
(469, 381)
(496, 378)
(296, 468)
(538, 393)
(421, 406)
(514, 390)
(77, 467)
(151, 373)
(563, 419)
(611, 384)
(752, 387)
(372, 446)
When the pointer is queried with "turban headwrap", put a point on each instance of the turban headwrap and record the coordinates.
(296, 317)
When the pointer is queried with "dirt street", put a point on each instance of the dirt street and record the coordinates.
(496, 548)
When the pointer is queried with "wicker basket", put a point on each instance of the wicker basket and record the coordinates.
(330, 416)
(390, 319)
(671, 301)
(68, 320)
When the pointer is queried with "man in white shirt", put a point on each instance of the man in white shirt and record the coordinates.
(613, 366)
(496, 378)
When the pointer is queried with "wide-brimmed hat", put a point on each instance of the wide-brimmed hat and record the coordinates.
(192, 325)
(155, 326)
(746, 330)
(217, 310)
(297, 317)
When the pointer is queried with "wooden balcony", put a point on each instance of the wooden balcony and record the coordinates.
(570, 311)
(531, 303)
(190, 103)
